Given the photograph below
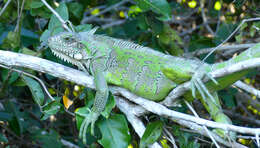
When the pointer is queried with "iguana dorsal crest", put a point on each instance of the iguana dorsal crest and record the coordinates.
(90, 32)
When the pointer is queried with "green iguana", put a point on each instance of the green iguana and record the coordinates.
(142, 70)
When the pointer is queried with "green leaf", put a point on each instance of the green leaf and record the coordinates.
(89, 96)
(185, 139)
(198, 42)
(16, 125)
(29, 52)
(12, 40)
(41, 11)
(111, 103)
(35, 89)
(13, 77)
(228, 97)
(239, 38)
(47, 139)
(78, 112)
(115, 132)
(158, 6)
(51, 108)
(169, 40)
(76, 9)
(223, 32)
(54, 23)
(36, 4)
(243, 27)
(3, 138)
(15, 122)
(152, 132)
(5, 116)
(45, 35)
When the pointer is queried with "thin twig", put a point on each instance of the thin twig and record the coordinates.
(171, 138)
(87, 19)
(40, 81)
(204, 17)
(223, 48)
(17, 137)
(248, 88)
(30, 75)
(70, 113)
(257, 140)
(119, 22)
(218, 24)
(240, 117)
(57, 15)
(19, 16)
(68, 144)
(6, 4)
(139, 111)
(238, 27)
(205, 128)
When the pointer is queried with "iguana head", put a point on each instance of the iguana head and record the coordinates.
(71, 46)
(67, 46)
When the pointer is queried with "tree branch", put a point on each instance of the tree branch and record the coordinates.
(16, 59)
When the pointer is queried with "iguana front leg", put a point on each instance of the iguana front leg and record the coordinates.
(99, 104)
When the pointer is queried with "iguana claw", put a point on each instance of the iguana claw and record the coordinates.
(89, 118)
(197, 84)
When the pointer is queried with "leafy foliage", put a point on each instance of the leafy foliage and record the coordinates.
(28, 118)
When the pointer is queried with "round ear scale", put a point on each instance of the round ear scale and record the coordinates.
(78, 56)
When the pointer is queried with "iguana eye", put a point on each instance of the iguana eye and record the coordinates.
(66, 38)
(69, 39)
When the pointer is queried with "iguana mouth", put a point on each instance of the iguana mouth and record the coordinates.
(65, 57)
(70, 54)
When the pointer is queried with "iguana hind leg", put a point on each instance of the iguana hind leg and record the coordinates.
(197, 83)
(215, 111)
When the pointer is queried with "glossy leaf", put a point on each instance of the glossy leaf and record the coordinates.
(3, 138)
(152, 132)
(35, 89)
(47, 139)
(36, 4)
(115, 132)
(54, 24)
(79, 119)
(158, 6)
(5, 116)
(51, 108)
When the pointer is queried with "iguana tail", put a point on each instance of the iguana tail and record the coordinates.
(251, 53)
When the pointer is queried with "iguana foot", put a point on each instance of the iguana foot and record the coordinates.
(89, 118)
(222, 118)
(197, 84)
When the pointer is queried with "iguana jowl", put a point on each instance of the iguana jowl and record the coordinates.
(143, 71)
